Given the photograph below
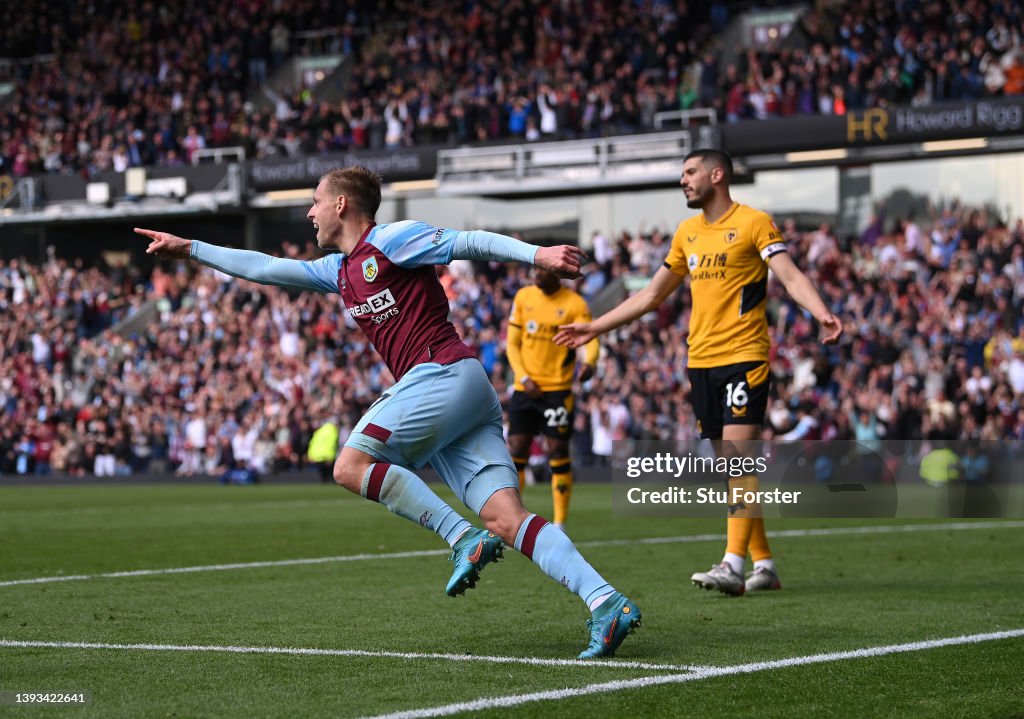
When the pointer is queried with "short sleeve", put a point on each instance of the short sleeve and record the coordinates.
(414, 244)
(515, 316)
(766, 236)
(676, 260)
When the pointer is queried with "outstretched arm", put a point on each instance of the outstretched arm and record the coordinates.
(563, 260)
(664, 283)
(414, 244)
(800, 289)
(318, 276)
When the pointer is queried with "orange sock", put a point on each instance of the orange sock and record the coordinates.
(759, 548)
(738, 532)
(742, 517)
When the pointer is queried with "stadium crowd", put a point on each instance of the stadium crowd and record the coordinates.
(230, 375)
(116, 85)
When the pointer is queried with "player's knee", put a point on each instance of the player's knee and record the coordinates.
(340, 474)
(348, 474)
(503, 514)
(519, 446)
(505, 526)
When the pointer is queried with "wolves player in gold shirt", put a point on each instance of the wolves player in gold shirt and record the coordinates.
(726, 251)
(543, 401)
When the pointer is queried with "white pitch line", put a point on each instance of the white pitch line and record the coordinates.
(225, 567)
(483, 704)
(822, 532)
(686, 539)
(226, 506)
(534, 661)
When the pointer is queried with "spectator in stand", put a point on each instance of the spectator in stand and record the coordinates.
(192, 142)
(932, 352)
(1013, 71)
(323, 448)
(447, 76)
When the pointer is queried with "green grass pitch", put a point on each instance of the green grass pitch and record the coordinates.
(843, 591)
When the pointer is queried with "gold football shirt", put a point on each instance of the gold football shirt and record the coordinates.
(727, 262)
(533, 323)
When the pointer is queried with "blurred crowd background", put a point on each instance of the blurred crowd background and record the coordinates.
(107, 85)
(232, 375)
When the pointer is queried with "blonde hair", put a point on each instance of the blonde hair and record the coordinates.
(360, 185)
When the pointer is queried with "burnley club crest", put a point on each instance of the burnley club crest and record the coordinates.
(370, 269)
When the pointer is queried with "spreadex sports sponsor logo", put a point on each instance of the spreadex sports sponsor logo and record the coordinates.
(375, 304)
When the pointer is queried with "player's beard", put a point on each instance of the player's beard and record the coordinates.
(698, 201)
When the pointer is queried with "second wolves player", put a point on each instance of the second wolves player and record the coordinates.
(544, 373)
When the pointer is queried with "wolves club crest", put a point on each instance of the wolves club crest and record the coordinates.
(370, 269)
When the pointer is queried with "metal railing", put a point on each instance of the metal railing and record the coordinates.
(23, 193)
(597, 161)
(218, 155)
(232, 183)
(685, 118)
(7, 64)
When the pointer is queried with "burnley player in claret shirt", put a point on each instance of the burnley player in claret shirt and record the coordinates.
(442, 409)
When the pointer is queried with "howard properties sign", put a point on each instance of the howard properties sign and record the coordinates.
(983, 118)
(877, 126)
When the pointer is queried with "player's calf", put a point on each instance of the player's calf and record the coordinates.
(504, 514)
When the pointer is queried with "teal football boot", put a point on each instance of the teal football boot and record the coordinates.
(612, 622)
(475, 550)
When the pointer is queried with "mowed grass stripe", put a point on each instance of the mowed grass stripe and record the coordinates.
(484, 704)
(685, 539)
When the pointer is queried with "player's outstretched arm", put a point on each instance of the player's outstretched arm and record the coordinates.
(165, 245)
(319, 276)
(664, 283)
(563, 260)
(800, 288)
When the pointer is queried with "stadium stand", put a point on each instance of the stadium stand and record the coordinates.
(150, 85)
(221, 377)
(937, 343)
